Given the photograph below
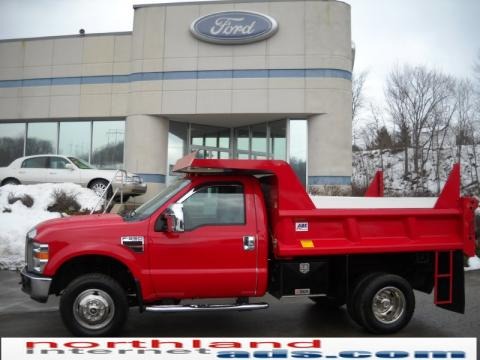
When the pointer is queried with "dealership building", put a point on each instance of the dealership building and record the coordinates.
(229, 79)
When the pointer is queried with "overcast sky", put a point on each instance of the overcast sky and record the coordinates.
(443, 34)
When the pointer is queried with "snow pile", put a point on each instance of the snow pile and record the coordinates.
(17, 219)
(473, 263)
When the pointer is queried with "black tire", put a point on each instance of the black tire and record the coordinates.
(93, 290)
(10, 181)
(352, 300)
(328, 302)
(98, 185)
(393, 298)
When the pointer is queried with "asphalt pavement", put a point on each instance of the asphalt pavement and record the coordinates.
(292, 317)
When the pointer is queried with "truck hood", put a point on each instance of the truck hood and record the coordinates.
(85, 222)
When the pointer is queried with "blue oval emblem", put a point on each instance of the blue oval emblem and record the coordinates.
(234, 27)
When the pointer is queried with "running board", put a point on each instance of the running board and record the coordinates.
(204, 307)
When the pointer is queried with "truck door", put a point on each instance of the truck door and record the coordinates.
(216, 255)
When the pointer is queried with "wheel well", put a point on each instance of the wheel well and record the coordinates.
(93, 264)
(416, 268)
(9, 178)
(96, 179)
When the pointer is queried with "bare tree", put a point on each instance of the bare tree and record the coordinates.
(379, 136)
(415, 99)
(467, 126)
(476, 69)
(463, 127)
(358, 96)
(358, 100)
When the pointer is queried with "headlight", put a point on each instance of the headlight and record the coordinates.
(39, 256)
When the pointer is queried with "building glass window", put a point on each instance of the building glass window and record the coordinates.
(242, 137)
(278, 140)
(12, 139)
(177, 145)
(71, 138)
(260, 141)
(259, 138)
(75, 139)
(108, 139)
(298, 148)
(211, 142)
(42, 138)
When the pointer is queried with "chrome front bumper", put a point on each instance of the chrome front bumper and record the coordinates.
(36, 286)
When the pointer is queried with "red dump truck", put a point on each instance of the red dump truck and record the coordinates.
(239, 229)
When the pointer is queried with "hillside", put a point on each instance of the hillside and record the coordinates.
(365, 163)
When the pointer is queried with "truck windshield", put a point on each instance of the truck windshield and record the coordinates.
(147, 209)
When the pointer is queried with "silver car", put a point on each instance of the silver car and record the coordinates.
(59, 169)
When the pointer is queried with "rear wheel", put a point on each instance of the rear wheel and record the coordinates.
(384, 304)
(352, 300)
(94, 305)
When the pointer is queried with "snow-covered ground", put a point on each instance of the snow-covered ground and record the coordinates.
(17, 219)
(473, 263)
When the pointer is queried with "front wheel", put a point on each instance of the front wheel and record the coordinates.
(94, 305)
(384, 304)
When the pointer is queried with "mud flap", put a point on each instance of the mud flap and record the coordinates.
(450, 295)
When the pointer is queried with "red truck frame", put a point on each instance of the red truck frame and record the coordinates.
(239, 229)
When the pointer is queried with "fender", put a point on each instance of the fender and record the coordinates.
(114, 251)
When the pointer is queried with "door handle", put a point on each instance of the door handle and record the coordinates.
(249, 243)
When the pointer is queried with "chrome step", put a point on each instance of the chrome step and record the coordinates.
(205, 307)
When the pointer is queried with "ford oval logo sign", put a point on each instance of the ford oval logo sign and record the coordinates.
(234, 27)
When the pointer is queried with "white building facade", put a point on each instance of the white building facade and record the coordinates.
(229, 79)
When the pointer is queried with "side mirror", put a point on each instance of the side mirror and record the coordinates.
(174, 218)
(69, 167)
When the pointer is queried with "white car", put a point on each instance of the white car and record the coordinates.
(59, 169)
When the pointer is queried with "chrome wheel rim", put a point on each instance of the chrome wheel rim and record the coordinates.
(388, 305)
(99, 188)
(93, 309)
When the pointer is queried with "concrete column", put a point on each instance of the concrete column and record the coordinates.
(330, 153)
(146, 149)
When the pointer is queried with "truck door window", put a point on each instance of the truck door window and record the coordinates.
(215, 205)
